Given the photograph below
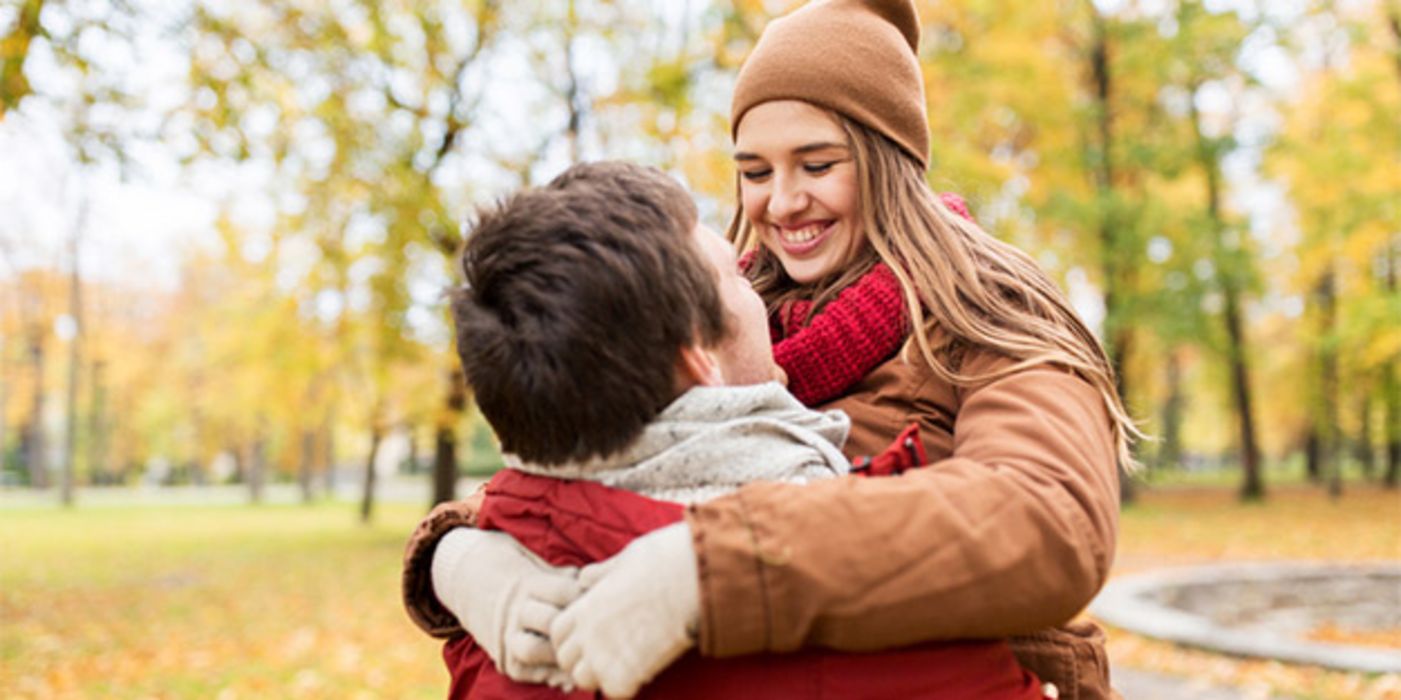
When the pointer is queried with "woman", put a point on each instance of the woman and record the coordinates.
(1009, 531)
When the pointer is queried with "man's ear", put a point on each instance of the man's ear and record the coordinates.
(697, 366)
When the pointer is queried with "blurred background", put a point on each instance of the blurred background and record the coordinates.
(228, 227)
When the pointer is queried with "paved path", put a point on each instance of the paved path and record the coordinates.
(1262, 609)
(1145, 685)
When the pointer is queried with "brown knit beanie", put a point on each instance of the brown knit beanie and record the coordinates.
(855, 57)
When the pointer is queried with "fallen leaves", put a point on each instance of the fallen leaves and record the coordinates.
(1336, 634)
(226, 602)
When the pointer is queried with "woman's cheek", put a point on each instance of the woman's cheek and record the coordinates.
(754, 203)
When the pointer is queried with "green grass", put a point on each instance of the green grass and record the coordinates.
(209, 602)
(1285, 473)
(1190, 525)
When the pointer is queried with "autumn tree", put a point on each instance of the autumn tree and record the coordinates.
(380, 125)
(1338, 155)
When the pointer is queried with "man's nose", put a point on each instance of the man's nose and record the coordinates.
(788, 198)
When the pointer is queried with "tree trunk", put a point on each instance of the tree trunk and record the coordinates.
(99, 456)
(4, 398)
(75, 364)
(1330, 434)
(1128, 488)
(411, 433)
(70, 446)
(205, 449)
(1313, 453)
(306, 465)
(367, 495)
(1170, 449)
(1252, 482)
(1391, 385)
(257, 464)
(445, 439)
(328, 456)
(1316, 440)
(1252, 485)
(1117, 334)
(240, 460)
(1363, 452)
(572, 92)
(1393, 428)
(33, 437)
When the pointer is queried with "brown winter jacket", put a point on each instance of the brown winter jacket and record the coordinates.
(1009, 532)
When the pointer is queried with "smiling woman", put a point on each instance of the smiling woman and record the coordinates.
(798, 187)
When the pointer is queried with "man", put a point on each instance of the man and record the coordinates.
(625, 366)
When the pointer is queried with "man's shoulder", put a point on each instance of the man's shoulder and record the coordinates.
(571, 521)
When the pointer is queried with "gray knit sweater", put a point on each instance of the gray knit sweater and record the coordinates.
(712, 440)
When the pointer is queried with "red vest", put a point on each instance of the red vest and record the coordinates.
(578, 522)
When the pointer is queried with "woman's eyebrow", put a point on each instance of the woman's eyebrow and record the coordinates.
(819, 146)
(801, 150)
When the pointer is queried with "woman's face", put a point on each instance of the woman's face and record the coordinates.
(797, 183)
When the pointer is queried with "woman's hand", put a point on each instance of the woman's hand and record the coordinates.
(506, 598)
(639, 612)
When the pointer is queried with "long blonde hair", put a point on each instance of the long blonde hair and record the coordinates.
(963, 288)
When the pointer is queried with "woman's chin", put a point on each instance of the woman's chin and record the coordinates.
(806, 274)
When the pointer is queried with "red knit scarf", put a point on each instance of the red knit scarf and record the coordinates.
(858, 331)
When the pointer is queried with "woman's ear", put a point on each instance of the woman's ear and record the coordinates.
(696, 366)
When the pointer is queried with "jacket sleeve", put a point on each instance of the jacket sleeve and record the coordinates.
(1014, 532)
(420, 601)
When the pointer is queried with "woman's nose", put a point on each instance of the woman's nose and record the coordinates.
(787, 199)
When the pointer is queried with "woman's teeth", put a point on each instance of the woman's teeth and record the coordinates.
(801, 235)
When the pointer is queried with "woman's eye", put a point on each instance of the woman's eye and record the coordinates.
(818, 168)
(755, 175)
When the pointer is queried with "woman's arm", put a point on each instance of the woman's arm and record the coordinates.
(420, 601)
(461, 580)
(1013, 533)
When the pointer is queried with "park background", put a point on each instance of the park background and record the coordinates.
(227, 383)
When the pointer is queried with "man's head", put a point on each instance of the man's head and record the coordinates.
(591, 303)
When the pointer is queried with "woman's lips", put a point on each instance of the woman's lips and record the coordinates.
(802, 239)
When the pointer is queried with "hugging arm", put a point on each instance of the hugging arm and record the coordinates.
(1014, 532)
(420, 602)
(458, 579)
(506, 598)
(638, 615)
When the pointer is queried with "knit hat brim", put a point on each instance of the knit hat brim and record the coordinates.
(855, 57)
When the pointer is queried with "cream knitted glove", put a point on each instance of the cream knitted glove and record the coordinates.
(506, 598)
(639, 612)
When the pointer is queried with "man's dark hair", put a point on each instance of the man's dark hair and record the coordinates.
(579, 296)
